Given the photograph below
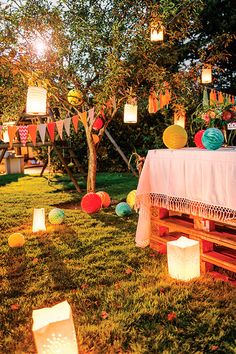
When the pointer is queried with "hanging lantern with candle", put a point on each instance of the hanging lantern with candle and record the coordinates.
(36, 103)
(157, 31)
(130, 113)
(206, 77)
(180, 116)
(39, 220)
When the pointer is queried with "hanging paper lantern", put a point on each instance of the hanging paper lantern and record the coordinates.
(227, 115)
(130, 113)
(212, 138)
(157, 32)
(56, 216)
(198, 139)
(16, 240)
(36, 103)
(98, 124)
(91, 203)
(123, 209)
(106, 200)
(175, 137)
(131, 198)
(206, 75)
(75, 97)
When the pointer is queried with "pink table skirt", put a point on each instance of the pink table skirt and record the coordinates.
(191, 180)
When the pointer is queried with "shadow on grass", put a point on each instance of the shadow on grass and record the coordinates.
(6, 179)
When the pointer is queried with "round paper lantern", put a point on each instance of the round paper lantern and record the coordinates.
(198, 139)
(95, 138)
(123, 209)
(91, 203)
(16, 240)
(56, 216)
(75, 97)
(98, 124)
(131, 198)
(175, 137)
(212, 138)
(106, 200)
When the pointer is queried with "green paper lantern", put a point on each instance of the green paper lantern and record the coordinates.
(56, 216)
(123, 209)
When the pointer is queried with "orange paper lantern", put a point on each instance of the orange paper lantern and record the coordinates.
(106, 200)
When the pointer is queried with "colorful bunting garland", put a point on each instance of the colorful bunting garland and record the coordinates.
(217, 97)
(157, 102)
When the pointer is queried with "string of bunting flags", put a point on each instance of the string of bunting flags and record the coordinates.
(212, 97)
(30, 131)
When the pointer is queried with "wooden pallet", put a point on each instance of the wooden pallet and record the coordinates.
(217, 240)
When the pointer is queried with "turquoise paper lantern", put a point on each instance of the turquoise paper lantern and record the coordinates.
(123, 209)
(56, 216)
(212, 138)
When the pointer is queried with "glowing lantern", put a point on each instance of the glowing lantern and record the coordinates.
(180, 117)
(157, 32)
(39, 220)
(130, 113)
(206, 75)
(36, 103)
(183, 258)
(54, 331)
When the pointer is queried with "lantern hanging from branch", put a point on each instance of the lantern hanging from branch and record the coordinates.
(36, 103)
(130, 113)
(157, 32)
(54, 331)
(183, 258)
(180, 116)
(39, 220)
(206, 77)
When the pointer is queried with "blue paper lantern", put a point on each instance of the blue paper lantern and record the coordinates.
(212, 138)
(56, 216)
(123, 209)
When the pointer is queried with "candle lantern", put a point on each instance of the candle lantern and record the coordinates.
(54, 331)
(183, 258)
(157, 32)
(36, 103)
(206, 75)
(39, 220)
(130, 113)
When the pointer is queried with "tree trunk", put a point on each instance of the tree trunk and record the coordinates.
(92, 163)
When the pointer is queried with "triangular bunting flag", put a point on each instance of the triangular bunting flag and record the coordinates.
(220, 97)
(59, 125)
(232, 99)
(12, 129)
(205, 101)
(75, 121)
(51, 130)
(212, 101)
(152, 102)
(91, 117)
(32, 130)
(23, 131)
(67, 125)
(42, 131)
(83, 117)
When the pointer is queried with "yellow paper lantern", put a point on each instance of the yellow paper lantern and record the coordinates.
(75, 97)
(175, 137)
(131, 198)
(16, 240)
(130, 113)
(206, 76)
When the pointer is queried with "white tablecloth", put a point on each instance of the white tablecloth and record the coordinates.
(191, 180)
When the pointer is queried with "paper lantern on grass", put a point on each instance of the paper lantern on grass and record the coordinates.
(130, 113)
(54, 331)
(212, 138)
(131, 198)
(175, 137)
(56, 216)
(183, 257)
(75, 97)
(16, 240)
(106, 200)
(123, 209)
(39, 220)
(198, 139)
(36, 103)
(206, 76)
(98, 124)
(91, 203)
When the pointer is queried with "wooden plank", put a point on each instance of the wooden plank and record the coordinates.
(220, 260)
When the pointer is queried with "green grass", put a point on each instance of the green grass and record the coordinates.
(120, 295)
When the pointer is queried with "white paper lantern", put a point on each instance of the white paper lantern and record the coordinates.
(130, 113)
(54, 331)
(36, 103)
(157, 33)
(183, 258)
(39, 220)
(206, 75)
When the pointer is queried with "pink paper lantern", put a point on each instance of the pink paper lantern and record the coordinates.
(98, 124)
(198, 139)
(91, 203)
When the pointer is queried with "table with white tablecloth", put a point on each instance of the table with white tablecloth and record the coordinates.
(194, 181)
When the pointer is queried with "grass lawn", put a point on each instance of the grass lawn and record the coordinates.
(123, 300)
